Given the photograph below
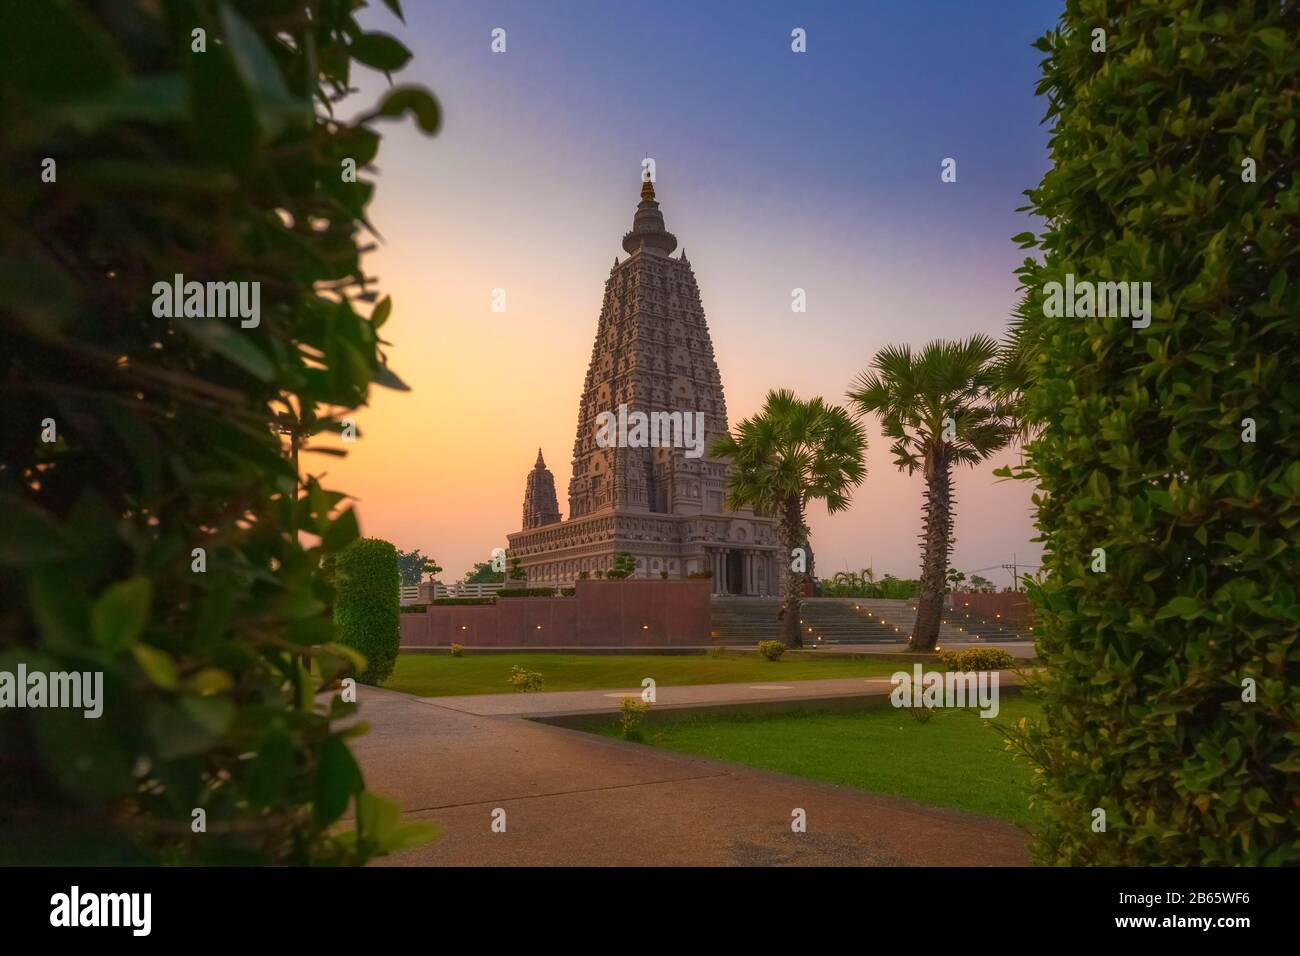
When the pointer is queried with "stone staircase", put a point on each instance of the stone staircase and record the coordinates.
(824, 621)
(740, 620)
(988, 629)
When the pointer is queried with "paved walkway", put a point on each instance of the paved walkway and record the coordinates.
(691, 697)
(577, 799)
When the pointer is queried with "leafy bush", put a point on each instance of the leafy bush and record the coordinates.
(1143, 449)
(977, 659)
(176, 434)
(772, 650)
(457, 650)
(568, 592)
(632, 715)
(366, 598)
(524, 680)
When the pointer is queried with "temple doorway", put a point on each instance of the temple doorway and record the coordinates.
(735, 572)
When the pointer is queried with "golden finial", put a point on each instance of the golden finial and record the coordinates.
(647, 188)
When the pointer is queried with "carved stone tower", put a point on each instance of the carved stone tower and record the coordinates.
(666, 504)
(540, 504)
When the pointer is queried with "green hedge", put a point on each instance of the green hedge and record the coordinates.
(225, 166)
(526, 592)
(1141, 448)
(452, 602)
(367, 597)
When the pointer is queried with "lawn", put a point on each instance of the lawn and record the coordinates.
(437, 675)
(954, 760)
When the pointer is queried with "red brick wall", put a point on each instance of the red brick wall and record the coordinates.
(629, 613)
(1012, 605)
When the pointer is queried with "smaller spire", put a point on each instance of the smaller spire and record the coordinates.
(540, 463)
(647, 189)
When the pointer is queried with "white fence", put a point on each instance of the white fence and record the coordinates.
(435, 590)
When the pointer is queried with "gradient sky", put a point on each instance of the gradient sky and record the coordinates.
(775, 170)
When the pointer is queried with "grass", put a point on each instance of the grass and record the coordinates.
(439, 675)
(954, 760)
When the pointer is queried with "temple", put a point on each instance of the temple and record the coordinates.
(660, 500)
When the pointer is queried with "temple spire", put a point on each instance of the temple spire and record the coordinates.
(648, 230)
(540, 463)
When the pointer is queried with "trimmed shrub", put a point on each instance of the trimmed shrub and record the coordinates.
(413, 608)
(699, 575)
(568, 592)
(457, 650)
(524, 680)
(367, 589)
(772, 650)
(526, 592)
(1168, 614)
(172, 433)
(460, 602)
(631, 716)
(977, 659)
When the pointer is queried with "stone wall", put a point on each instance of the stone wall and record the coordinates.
(627, 613)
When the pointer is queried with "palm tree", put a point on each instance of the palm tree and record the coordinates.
(790, 453)
(938, 408)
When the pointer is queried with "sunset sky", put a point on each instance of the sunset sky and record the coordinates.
(775, 170)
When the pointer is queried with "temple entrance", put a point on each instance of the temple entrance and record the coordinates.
(735, 572)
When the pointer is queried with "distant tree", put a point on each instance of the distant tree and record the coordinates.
(955, 579)
(483, 574)
(413, 566)
(981, 584)
(790, 453)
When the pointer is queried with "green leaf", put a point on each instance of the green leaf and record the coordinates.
(381, 312)
(210, 680)
(342, 531)
(157, 99)
(121, 612)
(1274, 38)
(274, 104)
(381, 51)
(416, 100)
(29, 534)
(158, 664)
(337, 780)
(230, 342)
(385, 377)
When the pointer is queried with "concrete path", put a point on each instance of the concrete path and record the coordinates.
(577, 799)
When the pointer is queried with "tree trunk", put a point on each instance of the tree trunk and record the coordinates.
(934, 562)
(794, 534)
